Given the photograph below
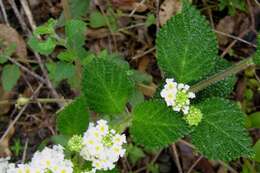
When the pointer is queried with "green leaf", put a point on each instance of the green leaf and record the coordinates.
(134, 153)
(68, 56)
(256, 56)
(106, 86)
(222, 88)
(97, 20)
(78, 9)
(140, 77)
(60, 71)
(150, 20)
(155, 125)
(254, 119)
(43, 47)
(73, 118)
(221, 134)
(75, 32)
(257, 151)
(10, 76)
(186, 46)
(47, 28)
(136, 98)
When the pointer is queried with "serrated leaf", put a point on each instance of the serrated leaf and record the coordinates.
(10, 76)
(222, 88)
(43, 47)
(106, 86)
(221, 134)
(155, 125)
(73, 118)
(186, 46)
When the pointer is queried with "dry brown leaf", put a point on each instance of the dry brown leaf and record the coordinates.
(168, 9)
(226, 25)
(9, 36)
(4, 145)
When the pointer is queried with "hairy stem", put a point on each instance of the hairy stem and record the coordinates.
(222, 75)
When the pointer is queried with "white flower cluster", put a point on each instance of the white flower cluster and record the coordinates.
(177, 96)
(48, 160)
(4, 164)
(102, 146)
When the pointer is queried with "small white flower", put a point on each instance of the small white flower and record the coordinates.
(102, 146)
(177, 96)
(4, 164)
(52, 159)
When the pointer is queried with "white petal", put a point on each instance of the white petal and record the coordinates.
(191, 95)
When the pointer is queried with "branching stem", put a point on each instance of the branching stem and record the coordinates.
(222, 75)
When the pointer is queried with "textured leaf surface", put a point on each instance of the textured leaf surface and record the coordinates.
(73, 118)
(106, 86)
(222, 88)
(155, 125)
(186, 46)
(221, 134)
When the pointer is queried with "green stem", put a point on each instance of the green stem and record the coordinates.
(222, 75)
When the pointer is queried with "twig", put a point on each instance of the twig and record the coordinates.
(209, 13)
(4, 12)
(27, 70)
(25, 150)
(134, 10)
(235, 38)
(142, 54)
(177, 160)
(251, 16)
(258, 3)
(194, 164)
(157, 15)
(228, 167)
(66, 9)
(45, 74)
(18, 15)
(131, 27)
(234, 42)
(152, 162)
(38, 100)
(220, 162)
(18, 115)
(28, 13)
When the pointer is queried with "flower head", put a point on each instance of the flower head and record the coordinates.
(177, 96)
(193, 118)
(102, 146)
(4, 162)
(75, 143)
